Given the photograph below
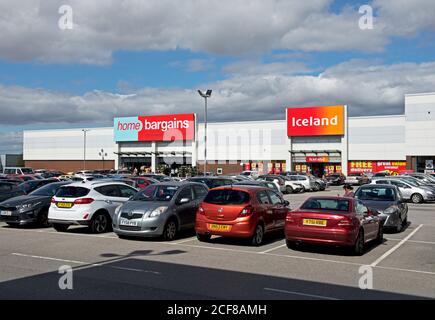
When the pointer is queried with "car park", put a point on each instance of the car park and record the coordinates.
(250, 174)
(410, 190)
(158, 177)
(307, 183)
(32, 185)
(259, 183)
(160, 210)
(388, 202)
(31, 208)
(9, 190)
(335, 221)
(241, 211)
(212, 182)
(92, 204)
(335, 179)
(357, 179)
(279, 181)
(143, 182)
(17, 171)
(425, 178)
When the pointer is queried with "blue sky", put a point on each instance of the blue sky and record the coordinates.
(258, 58)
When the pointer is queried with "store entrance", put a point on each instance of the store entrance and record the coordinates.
(318, 169)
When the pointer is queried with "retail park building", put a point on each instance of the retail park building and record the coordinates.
(316, 139)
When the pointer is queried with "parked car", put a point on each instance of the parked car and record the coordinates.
(357, 179)
(307, 183)
(410, 190)
(14, 181)
(319, 184)
(259, 183)
(335, 179)
(17, 171)
(9, 190)
(160, 210)
(336, 221)
(91, 204)
(250, 174)
(388, 201)
(292, 186)
(32, 185)
(212, 182)
(143, 182)
(158, 177)
(241, 211)
(381, 174)
(31, 208)
(279, 181)
(422, 177)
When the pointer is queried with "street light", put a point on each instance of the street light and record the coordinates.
(85, 131)
(102, 155)
(205, 95)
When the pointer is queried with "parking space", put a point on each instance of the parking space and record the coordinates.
(307, 272)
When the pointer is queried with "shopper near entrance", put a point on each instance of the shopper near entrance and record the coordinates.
(348, 191)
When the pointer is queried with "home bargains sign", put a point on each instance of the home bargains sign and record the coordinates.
(174, 127)
(315, 121)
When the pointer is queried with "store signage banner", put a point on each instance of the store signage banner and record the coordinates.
(317, 159)
(315, 121)
(393, 167)
(173, 127)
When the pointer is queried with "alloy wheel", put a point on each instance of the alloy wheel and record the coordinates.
(170, 230)
(100, 223)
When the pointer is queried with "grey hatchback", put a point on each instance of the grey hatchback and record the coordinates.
(160, 210)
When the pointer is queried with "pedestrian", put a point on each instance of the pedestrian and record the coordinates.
(348, 191)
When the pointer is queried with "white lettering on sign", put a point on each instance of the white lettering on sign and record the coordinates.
(315, 122)
(165, 125)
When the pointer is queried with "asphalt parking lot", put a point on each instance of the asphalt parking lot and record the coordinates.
(107, 267)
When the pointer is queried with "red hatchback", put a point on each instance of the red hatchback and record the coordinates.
(240, 211)
(334, 221)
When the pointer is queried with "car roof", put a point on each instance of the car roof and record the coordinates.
(371, 186)
(96, 183)
(331, 198)
(237, 187)
(177, 183)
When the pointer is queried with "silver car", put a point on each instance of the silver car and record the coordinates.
(409, 189)
(161, 209)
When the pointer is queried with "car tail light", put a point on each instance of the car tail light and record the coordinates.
(201, 210)
(84, 201)
(346, 222)
(248, 210)
(289, 218)
(52, 200)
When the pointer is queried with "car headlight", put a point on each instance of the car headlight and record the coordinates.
(391, 210)
(429, 192)
(27, 206)
(117, 210)
(158, 211)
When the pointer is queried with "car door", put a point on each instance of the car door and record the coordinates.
(5, 191)
(279, 209)
(185, 211)
(404, 189)
(368, 222)
(111, 197)
(265, 209)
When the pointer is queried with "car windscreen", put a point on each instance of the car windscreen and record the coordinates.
(26, 170)
(376, 194)
(72, 192)
(326, 204)
(47, 190)
(156, 193)
(227, 197)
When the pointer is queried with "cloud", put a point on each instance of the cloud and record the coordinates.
(11, 142)
(368, 87)
(30, 28)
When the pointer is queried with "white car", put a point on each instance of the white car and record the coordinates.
(88, 203)
(250, 174)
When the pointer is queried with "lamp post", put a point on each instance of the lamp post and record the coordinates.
(205, 95)
(102, 155)
(85, 131)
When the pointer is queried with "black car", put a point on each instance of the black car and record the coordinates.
(32, 185)
(213, 182)
(387, 200)
(9, 190)
(31, 208)
(259, 183)
(158, 177)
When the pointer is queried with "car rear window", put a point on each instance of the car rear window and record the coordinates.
(227, 197)
(72, 192)
(326, 204)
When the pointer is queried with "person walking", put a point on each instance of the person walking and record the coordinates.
(348, 191)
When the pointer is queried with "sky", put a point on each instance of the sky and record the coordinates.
(112, 58)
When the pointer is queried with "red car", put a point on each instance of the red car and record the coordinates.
(240, 211)
(143, 182)
(334, 221)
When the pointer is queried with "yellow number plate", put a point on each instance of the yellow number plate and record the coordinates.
(64, 205)
(219, 227)
(314, 222)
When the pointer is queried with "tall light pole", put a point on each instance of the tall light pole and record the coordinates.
(205, 95)
(85, 131)
(102, 155)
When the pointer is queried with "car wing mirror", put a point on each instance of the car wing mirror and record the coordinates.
(184, 201)
(286, 203)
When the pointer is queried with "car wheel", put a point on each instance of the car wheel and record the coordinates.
(99, 223)
(417, 198)
(380, 237)
(399, 226)
(288, 189)
(42, 219)
(258, 237)
(291, 244)
(60, 227)
(405, 222)
(359, 244)
(316, 186)
(203, 237)
(170, 231)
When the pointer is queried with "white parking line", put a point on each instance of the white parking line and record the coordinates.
(272, 249)
(84, 264)
(406, 270)
(185, 240)
(301, 294)
(397, 246)
(412, 241)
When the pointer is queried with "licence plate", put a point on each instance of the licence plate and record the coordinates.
(219, 227)
(129, 223)
(66, 205)
(314, 222)
(6, 213)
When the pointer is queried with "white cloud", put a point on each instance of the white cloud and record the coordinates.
(30, 28)
(11, 142)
